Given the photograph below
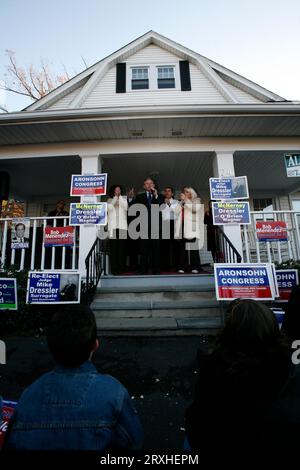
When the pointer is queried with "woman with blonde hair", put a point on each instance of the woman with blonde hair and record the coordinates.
(189, 230)
(117, 228)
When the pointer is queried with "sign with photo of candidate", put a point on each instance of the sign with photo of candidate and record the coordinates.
(245, 281)
(88, 213)
(235, 187)
(20, 233)
(89, 185)
(8, 294)
(53, 287)
(231, 213)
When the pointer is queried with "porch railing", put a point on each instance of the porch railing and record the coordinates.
(37, 256)
(225, 250)
(256, 251)
(94, 264)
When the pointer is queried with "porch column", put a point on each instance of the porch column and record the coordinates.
(223, 165)
(90, 164)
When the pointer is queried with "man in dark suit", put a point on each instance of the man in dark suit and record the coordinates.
(67, 294)
(20, 234)
(150, 246)
(239, 190)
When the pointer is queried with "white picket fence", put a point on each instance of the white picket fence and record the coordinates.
(255, 251)
(37, 256)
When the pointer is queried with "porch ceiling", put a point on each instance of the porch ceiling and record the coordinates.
(265, 171)
(177, 170)
(196, 121)
(32, 178)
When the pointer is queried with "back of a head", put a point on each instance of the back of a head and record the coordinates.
(251, 326)
(72, 335)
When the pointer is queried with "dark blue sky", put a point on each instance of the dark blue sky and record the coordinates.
(259, 39)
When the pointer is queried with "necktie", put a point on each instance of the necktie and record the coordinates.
(149, 198)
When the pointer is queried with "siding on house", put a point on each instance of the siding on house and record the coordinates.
(64, 102)
(104, 94)
(241, 95)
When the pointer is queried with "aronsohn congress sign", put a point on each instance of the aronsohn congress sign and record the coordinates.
(292, 164)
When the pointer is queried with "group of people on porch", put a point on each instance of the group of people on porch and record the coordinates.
(171, 241)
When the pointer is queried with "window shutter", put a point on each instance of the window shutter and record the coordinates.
(121, 78)
(185, 77)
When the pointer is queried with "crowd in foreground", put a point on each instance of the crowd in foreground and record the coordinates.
(247, 394)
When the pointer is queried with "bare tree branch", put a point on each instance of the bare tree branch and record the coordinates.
(30, 81)
(85, 62)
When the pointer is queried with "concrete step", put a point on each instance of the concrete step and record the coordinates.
(154, 326)
(146, 288)
(158, 313)
(153, 305)
(150, 281)
(150, 298)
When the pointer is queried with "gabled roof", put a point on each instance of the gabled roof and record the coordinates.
(220, 77)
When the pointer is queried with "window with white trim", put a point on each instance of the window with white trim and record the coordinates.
(139, 78)
(166, 77)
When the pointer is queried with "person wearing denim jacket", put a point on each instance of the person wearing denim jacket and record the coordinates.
(74, 407)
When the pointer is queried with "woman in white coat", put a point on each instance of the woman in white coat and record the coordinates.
(117, 207)
(189, 230)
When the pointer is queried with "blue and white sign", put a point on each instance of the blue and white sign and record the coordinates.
(231, 213)
(286, 280)
(8, 294)
(89, 185)
(53, 287)
(88, 213)
(292, 164)
(229, 188)
(245, 281)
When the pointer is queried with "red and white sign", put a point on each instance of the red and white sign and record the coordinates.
(7, 412)
(271, 231)
(89, 185)
(59, 236)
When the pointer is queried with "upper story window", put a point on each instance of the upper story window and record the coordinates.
(140, 78)
(165, 77)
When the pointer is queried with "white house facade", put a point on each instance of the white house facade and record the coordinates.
(155, 107)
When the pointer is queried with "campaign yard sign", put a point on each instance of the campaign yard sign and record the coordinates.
(53, 287)
(88, 213)
(8, 408)
(292, 164)
(231, 213)
(8, 294)
(89, 185)
(229, 188)
(59, 236)
(268, 231)
(286, 280)
(245, 281)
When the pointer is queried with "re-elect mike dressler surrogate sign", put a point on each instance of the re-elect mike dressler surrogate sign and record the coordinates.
(49, 287)
(8, 294)
(89, 185)
(246, 281)
(229, 188)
